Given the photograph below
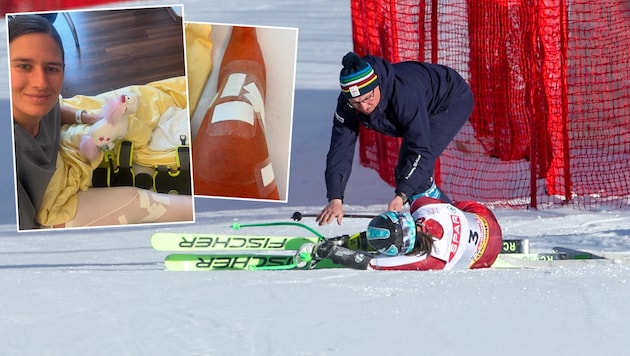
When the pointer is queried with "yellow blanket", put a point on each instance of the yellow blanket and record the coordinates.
(198, 59)
(74, 172)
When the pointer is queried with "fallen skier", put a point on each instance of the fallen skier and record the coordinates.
(435, 236)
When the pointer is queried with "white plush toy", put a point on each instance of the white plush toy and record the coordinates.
(113, 125)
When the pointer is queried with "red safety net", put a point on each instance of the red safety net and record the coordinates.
(551, 80)
(8, 6)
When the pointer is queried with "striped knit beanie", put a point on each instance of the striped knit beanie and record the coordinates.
(357, 77)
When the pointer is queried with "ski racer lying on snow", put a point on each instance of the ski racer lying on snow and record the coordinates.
(435, 236)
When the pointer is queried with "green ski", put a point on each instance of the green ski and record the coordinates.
(245, 261)
(193, 242)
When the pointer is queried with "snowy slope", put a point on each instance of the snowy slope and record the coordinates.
(104, 291)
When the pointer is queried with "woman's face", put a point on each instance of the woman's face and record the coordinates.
(37, 72)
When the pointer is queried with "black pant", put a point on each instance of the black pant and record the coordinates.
(444, 126)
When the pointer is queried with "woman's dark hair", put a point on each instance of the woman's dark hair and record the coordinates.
(424, 244)
(20, 25)
(424, 241)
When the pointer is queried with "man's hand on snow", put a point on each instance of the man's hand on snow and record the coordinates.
(333, 210)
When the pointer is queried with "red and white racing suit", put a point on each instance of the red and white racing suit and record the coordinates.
(466, 235)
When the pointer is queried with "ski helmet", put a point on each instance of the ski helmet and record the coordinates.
(392, 233)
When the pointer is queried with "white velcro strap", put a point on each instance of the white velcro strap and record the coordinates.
(77, 116)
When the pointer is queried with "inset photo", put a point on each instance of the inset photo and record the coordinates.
(242, 84)
(101, 122)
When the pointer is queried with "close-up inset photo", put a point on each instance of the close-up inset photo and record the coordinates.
(241, 81)
(101, 124)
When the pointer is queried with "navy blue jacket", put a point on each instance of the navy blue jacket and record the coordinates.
(411, 93)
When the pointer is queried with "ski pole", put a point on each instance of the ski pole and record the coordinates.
(297, 216)
(237, 226)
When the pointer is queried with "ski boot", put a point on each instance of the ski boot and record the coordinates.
(310, 254)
